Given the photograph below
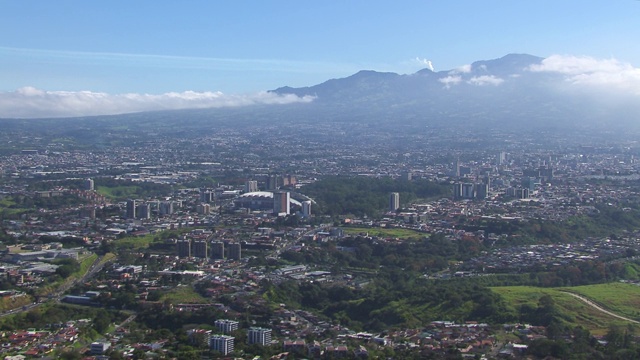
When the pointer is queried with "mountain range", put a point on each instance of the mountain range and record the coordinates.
(517, 92)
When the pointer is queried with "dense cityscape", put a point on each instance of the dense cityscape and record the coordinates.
(264, 244)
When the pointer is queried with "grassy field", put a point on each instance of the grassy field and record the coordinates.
(619, 298)
(135, 242)
(183, 295)
(119, 192)
(7, 207)
(386, 233)
(577, 312)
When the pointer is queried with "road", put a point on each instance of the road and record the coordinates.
(599, 308)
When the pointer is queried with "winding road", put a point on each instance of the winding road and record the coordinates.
(597, 307)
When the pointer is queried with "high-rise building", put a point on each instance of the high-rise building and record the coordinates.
(199, 249)
(482, 191)
(257, 335)
(143, 211)
(468, 191)
(166, 208)
(207, 196)
(272, 182)
(501, 158)
(281, 201)
(226, 326)
(184, 248)
(131, 209)
(394, 201)
(203, 209)
(457, 190)
(306, 208)
(250, 186)
(88, 184)
(235, 251)
(217, 250)
(222, 343)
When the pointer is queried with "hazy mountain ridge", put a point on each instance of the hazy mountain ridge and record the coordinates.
(506, 93)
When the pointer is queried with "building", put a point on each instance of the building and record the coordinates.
(166, 208)
(131, 209)
(99, 348)
(222, 343)
(468, 191)
(217, 250)
(250, 186)
(482, 191)
(235, 251)
(226, 326)
(203, 209)
(88, 184)
(184, 248)
(306, 208)
(199, 249)
(257, 335)
(143, 211)
(281, 202)
(272, 182)
(207, 196)
(394, 201)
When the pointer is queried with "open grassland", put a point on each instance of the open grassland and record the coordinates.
(620, 298)
(118, 192)
(183, 295)
(574, 311)
(135, 242)
(386, 233)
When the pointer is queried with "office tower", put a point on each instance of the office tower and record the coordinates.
(501, 158)
(272, 182)
(407, 176)
(457, 191)
(199, 249)
(217, 250)
(482, 191)
(207, 196)
(143, 211)
(226, 326)
(184, 248)
(88, 184)
(468, 191)
(250, 186)
(288, 180)
(306, 208)
(456, 169)
(203, 209)
(235, 251)
(260, 336)
(131, 209)
(281, 201)
(394, 201)
(166, 208)
(222, 343)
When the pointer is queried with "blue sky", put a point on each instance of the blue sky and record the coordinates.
(242, 47)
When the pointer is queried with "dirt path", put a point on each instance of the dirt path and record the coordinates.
(597, 307)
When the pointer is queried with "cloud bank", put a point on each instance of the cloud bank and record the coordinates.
(583, 70)
(29, 102)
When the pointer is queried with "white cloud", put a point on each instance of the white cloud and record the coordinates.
(584, 70)
(464, 69)
(485, 80)
(29, 102)
(425, 62)
(450, 80)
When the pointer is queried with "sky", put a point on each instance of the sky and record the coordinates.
(218, 53)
